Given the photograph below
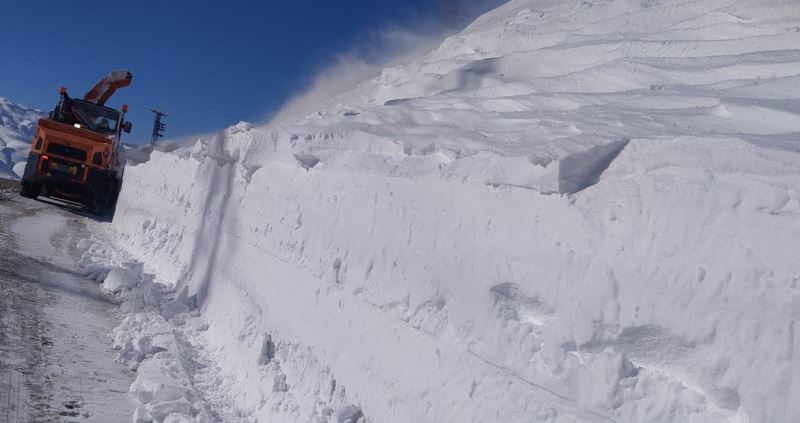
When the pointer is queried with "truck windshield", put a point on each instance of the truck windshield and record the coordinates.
(96, 118)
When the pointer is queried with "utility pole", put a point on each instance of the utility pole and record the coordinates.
(158, 126)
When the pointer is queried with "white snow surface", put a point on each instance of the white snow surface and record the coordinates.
(572, 211)
(17, 126)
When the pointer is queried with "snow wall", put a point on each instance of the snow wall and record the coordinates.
(599, 226)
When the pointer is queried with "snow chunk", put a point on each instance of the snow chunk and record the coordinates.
(126, 277)
(154, 384)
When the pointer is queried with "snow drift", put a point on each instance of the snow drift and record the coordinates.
(17, 125)
(570, 211)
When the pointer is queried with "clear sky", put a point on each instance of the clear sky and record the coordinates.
(209, 64)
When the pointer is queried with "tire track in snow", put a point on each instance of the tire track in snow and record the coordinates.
(55, 358)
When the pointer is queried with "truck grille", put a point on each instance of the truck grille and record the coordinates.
(62, 169)
(67, 151)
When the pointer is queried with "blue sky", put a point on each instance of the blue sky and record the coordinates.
(209, 64)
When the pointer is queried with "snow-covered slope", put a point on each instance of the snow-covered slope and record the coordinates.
(17, 124)
(571, 211)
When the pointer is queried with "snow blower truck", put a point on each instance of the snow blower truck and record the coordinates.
(75, 152)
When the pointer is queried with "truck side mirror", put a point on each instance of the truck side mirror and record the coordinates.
(127, 126)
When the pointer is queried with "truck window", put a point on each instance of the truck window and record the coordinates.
(96, 118)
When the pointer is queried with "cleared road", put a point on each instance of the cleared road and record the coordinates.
(55, 358)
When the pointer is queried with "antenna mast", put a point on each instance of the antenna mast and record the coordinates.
(158, 126)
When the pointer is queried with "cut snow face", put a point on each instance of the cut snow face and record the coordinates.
(17, 126)
(570, 211)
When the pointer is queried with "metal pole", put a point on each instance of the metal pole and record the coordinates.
(158, 126)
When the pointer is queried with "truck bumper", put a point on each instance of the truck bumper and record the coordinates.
(99, 182)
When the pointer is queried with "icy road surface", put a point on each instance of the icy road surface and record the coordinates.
(55, 358)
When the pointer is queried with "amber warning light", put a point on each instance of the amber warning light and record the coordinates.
(124, 108)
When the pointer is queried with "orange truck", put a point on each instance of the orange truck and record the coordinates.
(75, 151)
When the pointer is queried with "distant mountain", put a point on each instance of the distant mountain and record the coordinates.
(17, 125)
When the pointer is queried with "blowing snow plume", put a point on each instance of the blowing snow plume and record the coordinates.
(382, 49)
(358, 64)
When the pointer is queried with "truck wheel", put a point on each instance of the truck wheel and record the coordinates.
(46, 190)
(95, 205)
(29, 190)
(114, 194)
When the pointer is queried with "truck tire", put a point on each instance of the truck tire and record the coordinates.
(97, 204)
(116, 185)
(28, 189)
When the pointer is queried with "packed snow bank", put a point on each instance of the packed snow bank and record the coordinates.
(151, 339)
(133, 154)
(17, 125)
(572, 211)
